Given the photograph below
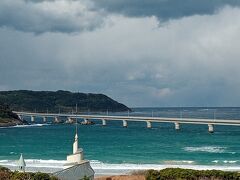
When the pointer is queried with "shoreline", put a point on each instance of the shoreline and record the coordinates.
(107, 169)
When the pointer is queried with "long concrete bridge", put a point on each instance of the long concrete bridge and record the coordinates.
(70, 118)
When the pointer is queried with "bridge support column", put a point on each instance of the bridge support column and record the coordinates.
(69, 120)
(20, 117)
(210, 128)
(125, 123)
(56, 119)
(44, 119)
(149, 124)
(32, 118)
(177, 125)
(104, 123)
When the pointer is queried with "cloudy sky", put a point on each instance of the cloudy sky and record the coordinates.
(139, 52)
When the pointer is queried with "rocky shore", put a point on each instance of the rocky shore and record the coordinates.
(10, 122)
(8, 118)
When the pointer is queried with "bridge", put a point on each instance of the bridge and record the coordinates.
(70, 118)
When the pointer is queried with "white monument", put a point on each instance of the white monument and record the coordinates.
(76, 167)
(77, 156)
(21, 164)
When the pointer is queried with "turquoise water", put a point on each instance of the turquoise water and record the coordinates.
(113, 144)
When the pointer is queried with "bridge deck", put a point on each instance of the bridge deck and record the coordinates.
(138, 118)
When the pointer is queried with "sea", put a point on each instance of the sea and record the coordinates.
(113, 149)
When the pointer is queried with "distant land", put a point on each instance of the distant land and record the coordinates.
(64, 101)
(7, 118)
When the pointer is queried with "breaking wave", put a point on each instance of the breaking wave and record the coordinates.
(209, 149)
(111, 169)
(25, 126)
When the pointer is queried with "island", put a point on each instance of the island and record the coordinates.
(55, 101)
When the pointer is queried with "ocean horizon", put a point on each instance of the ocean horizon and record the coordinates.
(113, 149)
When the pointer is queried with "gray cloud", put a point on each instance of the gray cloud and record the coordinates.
(164, 9)
(69, 16)
(191, 61)
(50, 16)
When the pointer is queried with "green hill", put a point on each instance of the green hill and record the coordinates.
(65, 101)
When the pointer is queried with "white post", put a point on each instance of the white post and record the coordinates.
(149, 124)
(104, 123)
(177, 125)
(56, 119)
(44, 119)
(210, 128)
(32, 118)
(125, 123)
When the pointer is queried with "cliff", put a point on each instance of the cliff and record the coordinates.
(65, 101)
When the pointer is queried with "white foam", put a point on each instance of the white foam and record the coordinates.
(230, 162)
(35, 163)
(225, 162)
(30, 125)
(25, 126)
(179, 162)
(209, 149)
(110, 169)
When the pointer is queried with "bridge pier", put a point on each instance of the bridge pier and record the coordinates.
(125, 123)
(69, 120)
(44, 119)
(32, 118)
(210, 128)
(177, 126)
(104, 123)
(85, 120)
(56, 119)
(149, 124)
(20, 117)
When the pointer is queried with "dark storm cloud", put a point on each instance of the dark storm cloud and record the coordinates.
(39, 16)
(68, 16)
(164, 9)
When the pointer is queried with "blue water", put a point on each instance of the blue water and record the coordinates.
(113, 144)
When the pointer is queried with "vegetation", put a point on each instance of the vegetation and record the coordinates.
(6, 113)
(7, 117)
(189, 174)
(6, 174)
(65, 101)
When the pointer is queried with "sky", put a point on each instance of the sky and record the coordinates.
(158, 53)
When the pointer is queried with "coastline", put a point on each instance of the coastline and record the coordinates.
(107, 169)
(11, 122)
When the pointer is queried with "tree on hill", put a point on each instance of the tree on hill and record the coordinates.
(42, 101)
